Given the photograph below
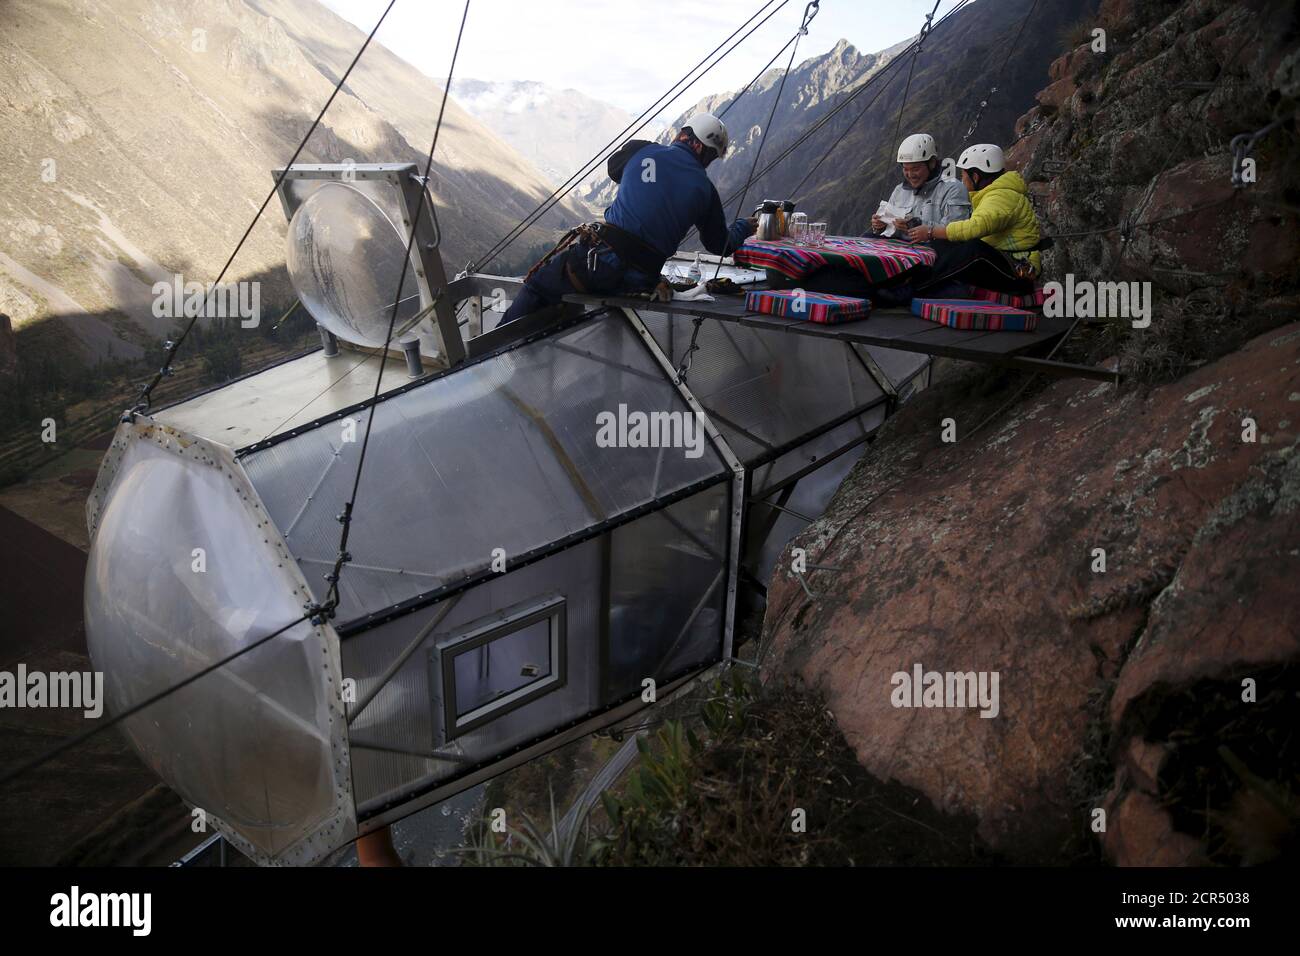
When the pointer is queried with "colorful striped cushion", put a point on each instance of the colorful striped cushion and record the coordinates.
(1032, 301)
(877, 259)
(810, 306)
(974, 314)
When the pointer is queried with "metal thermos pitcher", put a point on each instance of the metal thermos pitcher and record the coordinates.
(773, 218)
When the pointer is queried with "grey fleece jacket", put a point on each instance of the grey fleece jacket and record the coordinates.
(937, 202)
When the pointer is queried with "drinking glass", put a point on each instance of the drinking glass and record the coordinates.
(799, 228)
(817, 233)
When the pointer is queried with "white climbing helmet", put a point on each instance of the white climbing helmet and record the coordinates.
(985, 157)
(708, 129)
(917, 148)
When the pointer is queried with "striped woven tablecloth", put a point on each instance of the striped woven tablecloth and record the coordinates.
(877, 259)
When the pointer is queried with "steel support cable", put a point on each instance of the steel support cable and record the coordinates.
(1135, 215)
(757, 76)
(839, 139)
(146, 392)
(925, 31)
(315, 613)
(825, 119)
(1219, 76)
(809, 13)
(907, 88)
(327, 607)
(633, 127)
(1207, 87)
(78, 739)
(1015, 44)
(916, 51)
(1129, 227)
(311, 401)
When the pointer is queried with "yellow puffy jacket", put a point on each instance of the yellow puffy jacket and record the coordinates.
(1002, 217)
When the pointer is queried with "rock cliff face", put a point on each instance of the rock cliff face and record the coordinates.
(1125, 559)
(1141, 133)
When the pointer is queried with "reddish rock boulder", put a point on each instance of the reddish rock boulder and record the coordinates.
(1140, 833)
(981, 557)
(1064, 73)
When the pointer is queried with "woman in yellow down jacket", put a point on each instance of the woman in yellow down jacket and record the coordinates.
(996, 248)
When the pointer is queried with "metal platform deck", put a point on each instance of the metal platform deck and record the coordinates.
(890, 328)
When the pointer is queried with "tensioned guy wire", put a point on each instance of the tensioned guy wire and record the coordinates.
(328, 606)
(826, 118)
(315, 613)
(636, 125)
(172, 348)
(809, 12)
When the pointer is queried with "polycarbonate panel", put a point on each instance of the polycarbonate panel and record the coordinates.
(768, 530)
(815, 449)
(402, 717)
(181, 575)
(345, 258)
(386, 193)
(503, 454)
(761, 388)
(667, 591)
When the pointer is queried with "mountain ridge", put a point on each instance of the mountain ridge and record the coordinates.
(955, 57)
(118, 178)
(557, 130)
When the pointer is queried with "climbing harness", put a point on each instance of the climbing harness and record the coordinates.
(587, 232)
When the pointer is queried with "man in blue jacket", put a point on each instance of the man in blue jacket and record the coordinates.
(663, 192)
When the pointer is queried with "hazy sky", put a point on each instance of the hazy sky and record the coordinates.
(625, 52)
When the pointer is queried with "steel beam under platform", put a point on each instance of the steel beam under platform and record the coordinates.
(889, 328)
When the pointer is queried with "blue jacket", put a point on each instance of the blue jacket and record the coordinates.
(666, 192)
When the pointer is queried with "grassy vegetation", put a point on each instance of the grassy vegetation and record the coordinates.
(1077, 33)
(757, 776)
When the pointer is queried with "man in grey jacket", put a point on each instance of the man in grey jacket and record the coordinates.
(924, 197)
